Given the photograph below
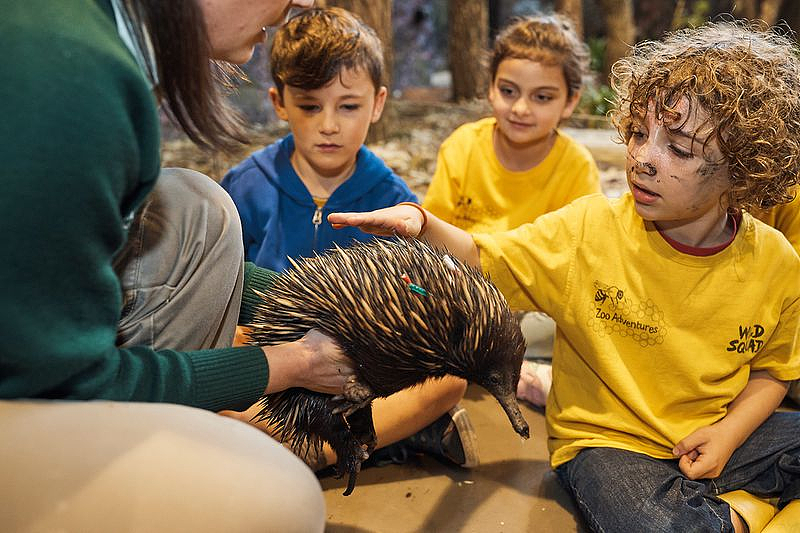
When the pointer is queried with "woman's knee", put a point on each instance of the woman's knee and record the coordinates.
(251, 477)
(187, 220)
(181, 268)
(202, 200)
(240, 478)
(150, 467)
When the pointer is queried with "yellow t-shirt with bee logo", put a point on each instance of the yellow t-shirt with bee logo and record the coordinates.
(651, 343)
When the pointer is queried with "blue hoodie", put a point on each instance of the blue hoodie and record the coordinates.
(279, 217)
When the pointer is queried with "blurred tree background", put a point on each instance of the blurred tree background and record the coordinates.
(435, 49)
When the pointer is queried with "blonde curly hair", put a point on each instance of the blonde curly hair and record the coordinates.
(746, 77)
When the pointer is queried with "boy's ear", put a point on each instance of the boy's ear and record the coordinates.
(277, 103)
(380, 101)
(571, 104)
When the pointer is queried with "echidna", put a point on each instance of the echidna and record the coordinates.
(403, 312)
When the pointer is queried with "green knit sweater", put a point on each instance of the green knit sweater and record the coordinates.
(79, 145)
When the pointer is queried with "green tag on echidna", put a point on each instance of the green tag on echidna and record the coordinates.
(411, 286)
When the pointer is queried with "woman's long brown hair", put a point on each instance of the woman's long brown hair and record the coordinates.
(189, 83)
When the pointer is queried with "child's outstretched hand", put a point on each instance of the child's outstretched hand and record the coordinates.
(402, 219)
(705, 452)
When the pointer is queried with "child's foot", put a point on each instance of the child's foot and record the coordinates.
(534, 382)
(451, 437)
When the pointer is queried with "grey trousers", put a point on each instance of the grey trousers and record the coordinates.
(124, 466)
(182, 267)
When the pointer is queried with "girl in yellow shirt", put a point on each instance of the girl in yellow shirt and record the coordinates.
(505, 170)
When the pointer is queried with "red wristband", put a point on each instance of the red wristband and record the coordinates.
(424, 216)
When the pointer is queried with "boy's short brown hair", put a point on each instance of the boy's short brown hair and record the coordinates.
(549, 39)
(316, 45)
(747, 78)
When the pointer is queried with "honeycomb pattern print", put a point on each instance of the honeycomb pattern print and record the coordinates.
(613, 313)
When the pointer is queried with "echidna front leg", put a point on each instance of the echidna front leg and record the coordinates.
(356, 395)
(354, 446)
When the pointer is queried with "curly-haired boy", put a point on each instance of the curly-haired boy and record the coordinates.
(677, 311)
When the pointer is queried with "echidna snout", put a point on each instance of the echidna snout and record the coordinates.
(511, 407)
(503, 386)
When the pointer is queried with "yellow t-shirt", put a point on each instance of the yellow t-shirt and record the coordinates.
(651, 343)
(471, 189)
(786, 219)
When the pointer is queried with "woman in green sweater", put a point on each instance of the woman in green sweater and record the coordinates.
(124, 282)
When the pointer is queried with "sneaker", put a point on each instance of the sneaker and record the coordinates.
(450, 437)
(393, 454)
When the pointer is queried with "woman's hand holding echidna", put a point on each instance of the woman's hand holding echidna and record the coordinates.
(328, 367)
(404, 219)
(314, 362)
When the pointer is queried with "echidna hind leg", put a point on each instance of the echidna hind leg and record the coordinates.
(356, 395)
(354, 446)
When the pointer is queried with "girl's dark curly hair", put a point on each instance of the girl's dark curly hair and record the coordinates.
(746, 77)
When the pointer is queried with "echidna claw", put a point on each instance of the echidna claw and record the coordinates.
(355, 395)
(346, 408)
(351, 479)
(358, 392)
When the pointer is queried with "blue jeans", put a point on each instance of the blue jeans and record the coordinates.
(619, 490)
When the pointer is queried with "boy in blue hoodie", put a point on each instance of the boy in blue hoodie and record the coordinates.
(327, 66)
